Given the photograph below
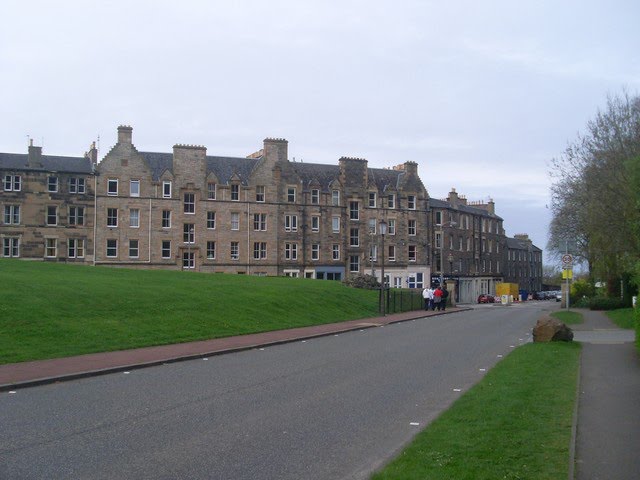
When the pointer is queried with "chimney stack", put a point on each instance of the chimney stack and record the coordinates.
(34, 159)
(125, 134)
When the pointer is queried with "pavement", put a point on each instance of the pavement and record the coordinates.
(607, 419)
(608, 412)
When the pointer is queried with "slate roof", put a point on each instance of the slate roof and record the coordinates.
(516, 244)
(434, 202)
(50, 163)
(223, 167)
(324, 174)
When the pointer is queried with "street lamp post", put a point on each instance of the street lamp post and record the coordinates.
(383, 230)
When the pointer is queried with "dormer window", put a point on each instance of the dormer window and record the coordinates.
(372, 199)
(235, 192)
(211, 191)
(166, 189)
(315, 196)
(391, 201)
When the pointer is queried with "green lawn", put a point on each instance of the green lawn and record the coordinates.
(622, 317)
(570, 317)
(515, 424)
(54, 310)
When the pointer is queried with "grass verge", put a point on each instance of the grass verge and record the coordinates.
(622, 317)
(54, 310)
(570, 317)
(515, 424)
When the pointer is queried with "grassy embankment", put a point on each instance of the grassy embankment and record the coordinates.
(55, 310)
(622, 317)
(570, 317)
(515, 424)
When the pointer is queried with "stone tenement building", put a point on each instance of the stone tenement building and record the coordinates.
(259, 215)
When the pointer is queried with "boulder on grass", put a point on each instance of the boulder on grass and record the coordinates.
(549, 329)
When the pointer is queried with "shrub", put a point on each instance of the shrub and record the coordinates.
(583, 288)
(580, 302)
(606, 303)
(366, 281)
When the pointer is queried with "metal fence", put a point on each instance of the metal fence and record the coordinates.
(403, 300)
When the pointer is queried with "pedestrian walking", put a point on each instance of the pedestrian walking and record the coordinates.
(445, 296)
(437, 298)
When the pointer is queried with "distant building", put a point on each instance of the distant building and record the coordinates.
(523, 263)
(47, 205)
(467, 245)
(258, 215)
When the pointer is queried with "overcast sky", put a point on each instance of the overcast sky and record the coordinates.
(482, 94)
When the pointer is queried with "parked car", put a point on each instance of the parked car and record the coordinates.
(485, 298)
(558, 296)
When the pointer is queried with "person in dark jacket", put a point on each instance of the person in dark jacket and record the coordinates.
(445, 296)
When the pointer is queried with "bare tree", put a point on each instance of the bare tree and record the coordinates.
(595, 191)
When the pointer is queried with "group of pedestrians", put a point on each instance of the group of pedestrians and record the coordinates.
(435, 298)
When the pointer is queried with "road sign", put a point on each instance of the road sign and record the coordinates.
(567, 259)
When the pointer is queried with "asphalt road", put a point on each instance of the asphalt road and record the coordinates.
(336, 407)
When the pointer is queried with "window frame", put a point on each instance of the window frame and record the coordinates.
(165, 246)
(261, 193)
(189, 203)
(47, 247)
(11, 247)
(211, 250)
(111, 182)
(373, 200)
(166, 219)
(134, 248)
(234, 190)
(354, 213)
(354, 237)
(49, 216)
(76, 215)
(235, 250)
(166, 185)
(315, 196)
(133, 193)
(12, 214)
(211, 190)
(211, 220)
(134, 218)
(52, 184)
(113, 247)
(112, 220)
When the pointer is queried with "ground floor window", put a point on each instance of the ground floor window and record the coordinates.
(211, 250)
(75, 248)
(112, 248)
(188, 260)
(10, 247)
(51, 247)
(235, 250)
(166, 249)
(416, 280)
(134, 248)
